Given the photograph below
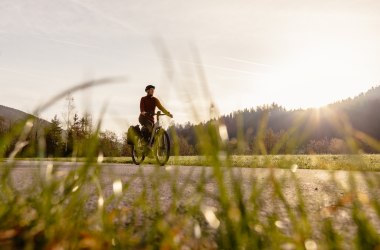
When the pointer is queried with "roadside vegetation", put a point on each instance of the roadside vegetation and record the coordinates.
(368, 162)
(363, 162)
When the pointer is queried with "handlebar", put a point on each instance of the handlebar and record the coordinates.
(159, 113)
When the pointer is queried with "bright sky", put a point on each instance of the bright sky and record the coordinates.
(239, 54)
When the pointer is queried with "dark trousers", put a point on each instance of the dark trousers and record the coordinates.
(147, 127)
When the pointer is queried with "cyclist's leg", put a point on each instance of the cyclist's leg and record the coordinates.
(148, 125)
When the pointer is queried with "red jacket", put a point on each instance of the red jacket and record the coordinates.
(148, 104)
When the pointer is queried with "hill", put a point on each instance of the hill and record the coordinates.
(300, 130)
(10, 116)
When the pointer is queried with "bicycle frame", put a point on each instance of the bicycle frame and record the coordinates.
(156, 126)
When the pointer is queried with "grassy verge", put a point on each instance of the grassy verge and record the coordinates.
(364, 162)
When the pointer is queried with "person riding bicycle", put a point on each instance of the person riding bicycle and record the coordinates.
(148, 106)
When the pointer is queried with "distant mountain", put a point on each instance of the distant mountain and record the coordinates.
(9, 116)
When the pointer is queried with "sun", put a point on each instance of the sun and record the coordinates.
(316, 75)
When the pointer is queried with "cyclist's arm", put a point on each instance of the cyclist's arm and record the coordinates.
(160, 107)
(142, 108)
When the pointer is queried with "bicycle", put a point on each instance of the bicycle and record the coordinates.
(158, 144)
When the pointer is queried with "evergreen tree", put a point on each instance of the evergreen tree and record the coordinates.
(54, 142)
(2, 126)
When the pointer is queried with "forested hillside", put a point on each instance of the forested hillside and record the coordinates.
(324, 130)
(348, 126)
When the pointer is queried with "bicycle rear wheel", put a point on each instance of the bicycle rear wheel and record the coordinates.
(162, 147)
(138, 154)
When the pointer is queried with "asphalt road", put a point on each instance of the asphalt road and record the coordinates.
(325, 194)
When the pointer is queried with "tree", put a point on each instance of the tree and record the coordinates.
(184, 147)
(70, 107)
(109, 143)
(2, 126)
(79, 133)
(54, 142)
(86, 125)
(318, 146)
(338, 146)
(76, 127)
(269, 140)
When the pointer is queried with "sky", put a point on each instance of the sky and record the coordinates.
(233, 54)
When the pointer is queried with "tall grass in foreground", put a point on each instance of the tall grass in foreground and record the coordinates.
(221, 207)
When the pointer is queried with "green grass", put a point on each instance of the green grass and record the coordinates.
(363, 162)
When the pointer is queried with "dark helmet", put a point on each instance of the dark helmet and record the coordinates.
(149, 87)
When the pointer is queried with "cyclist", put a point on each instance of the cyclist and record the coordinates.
(148, 106)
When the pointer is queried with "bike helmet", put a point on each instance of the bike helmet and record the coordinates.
(149, 87)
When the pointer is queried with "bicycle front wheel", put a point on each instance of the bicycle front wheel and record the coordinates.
(162, 147)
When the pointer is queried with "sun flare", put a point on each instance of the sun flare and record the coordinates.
(318, 74)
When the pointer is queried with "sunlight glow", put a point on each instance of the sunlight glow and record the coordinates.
(100, 157)
(310, 245)
(318, 74)
(209, 213)
(117, 187)
(100, 202)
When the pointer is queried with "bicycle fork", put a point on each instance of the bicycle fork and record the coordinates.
(153, 134)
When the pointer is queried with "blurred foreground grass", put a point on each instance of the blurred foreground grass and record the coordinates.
(47, 206)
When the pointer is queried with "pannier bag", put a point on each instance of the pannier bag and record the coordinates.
(133, 134)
